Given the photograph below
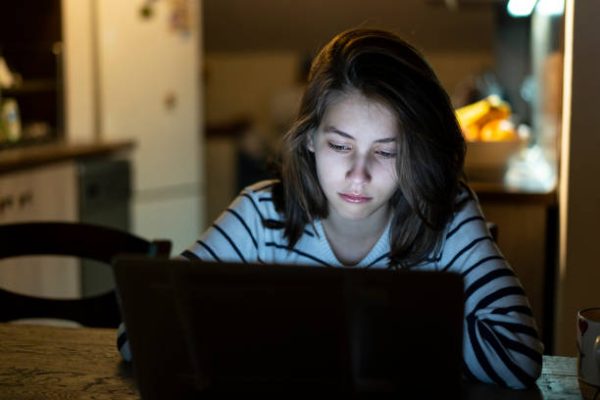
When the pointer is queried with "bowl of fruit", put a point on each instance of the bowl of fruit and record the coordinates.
(492, 138)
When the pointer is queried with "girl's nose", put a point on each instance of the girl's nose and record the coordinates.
(359, 171)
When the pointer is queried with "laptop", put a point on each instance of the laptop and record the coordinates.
(198, 328)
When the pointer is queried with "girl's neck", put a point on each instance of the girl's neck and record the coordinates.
(356, 229)
(352, 240)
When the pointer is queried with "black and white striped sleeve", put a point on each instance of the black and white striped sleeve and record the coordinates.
(123, 342)
(501, 342)
(233, 237)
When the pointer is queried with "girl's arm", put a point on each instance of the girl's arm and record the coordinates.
(501, 342)
(236, 235)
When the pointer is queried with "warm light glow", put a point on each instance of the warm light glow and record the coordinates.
(550, 7)
(520, 8)
(563, 198)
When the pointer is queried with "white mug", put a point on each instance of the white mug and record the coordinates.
(588, 349)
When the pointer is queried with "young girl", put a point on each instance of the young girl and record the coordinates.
(370, 177)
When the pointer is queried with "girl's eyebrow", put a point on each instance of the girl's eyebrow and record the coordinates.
(333, 129)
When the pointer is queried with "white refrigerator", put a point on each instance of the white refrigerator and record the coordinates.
(148, 88)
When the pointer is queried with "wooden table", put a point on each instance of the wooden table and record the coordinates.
(42, 362)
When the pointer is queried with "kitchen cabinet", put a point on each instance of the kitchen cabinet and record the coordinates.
(63, 182)
(30, 43)
(119, 70)
(45, 193)
(40, 194)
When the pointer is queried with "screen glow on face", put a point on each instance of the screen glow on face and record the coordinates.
(355, 150)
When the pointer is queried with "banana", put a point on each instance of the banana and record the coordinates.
(473, 117)
(470, 113)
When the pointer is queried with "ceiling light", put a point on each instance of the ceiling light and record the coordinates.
(520, 8)
(550, 7)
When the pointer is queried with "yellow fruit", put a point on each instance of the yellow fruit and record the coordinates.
(498, 130)
(471, 132)
(473, 117)
(470, 113)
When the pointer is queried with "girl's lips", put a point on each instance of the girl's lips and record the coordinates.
(354, 198)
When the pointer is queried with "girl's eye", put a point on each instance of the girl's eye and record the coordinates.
(342, 148)
(385, 154)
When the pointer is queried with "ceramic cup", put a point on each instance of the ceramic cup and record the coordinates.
(588, 358)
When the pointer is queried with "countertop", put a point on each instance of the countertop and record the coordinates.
(34, 156)
(498, 192)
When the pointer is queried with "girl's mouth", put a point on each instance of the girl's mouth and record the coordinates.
(354, 198)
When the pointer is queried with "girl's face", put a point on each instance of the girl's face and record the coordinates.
(355, 151)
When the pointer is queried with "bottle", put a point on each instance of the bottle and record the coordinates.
(6, 77)
(11, 120)
(2, 129)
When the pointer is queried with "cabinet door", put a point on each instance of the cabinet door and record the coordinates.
(40, 194)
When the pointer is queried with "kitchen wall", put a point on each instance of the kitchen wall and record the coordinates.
(304, 25)
(244, 83)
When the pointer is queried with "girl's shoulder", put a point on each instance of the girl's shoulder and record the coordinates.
(465, 202)
(465, 195)
(259, 198)
(266, 186)
(466, 209)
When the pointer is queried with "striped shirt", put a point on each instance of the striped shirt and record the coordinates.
(501, 343)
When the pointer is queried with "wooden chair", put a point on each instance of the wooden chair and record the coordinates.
(80, 240)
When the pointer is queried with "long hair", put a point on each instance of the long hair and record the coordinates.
(431, 148)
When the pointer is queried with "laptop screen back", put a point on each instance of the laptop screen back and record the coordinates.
(198, 327)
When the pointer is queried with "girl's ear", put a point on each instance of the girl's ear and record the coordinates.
(310, 141)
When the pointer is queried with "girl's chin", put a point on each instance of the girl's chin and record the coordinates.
(355, 215)
(360, 212)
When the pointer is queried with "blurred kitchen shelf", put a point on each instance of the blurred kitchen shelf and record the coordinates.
(30, 87)
(28, 142)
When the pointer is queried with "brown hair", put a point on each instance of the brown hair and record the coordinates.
(431, 148)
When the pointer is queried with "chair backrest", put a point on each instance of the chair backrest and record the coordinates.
(79, 240)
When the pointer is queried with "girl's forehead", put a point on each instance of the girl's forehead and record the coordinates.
(349, 110)
(354, 100)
